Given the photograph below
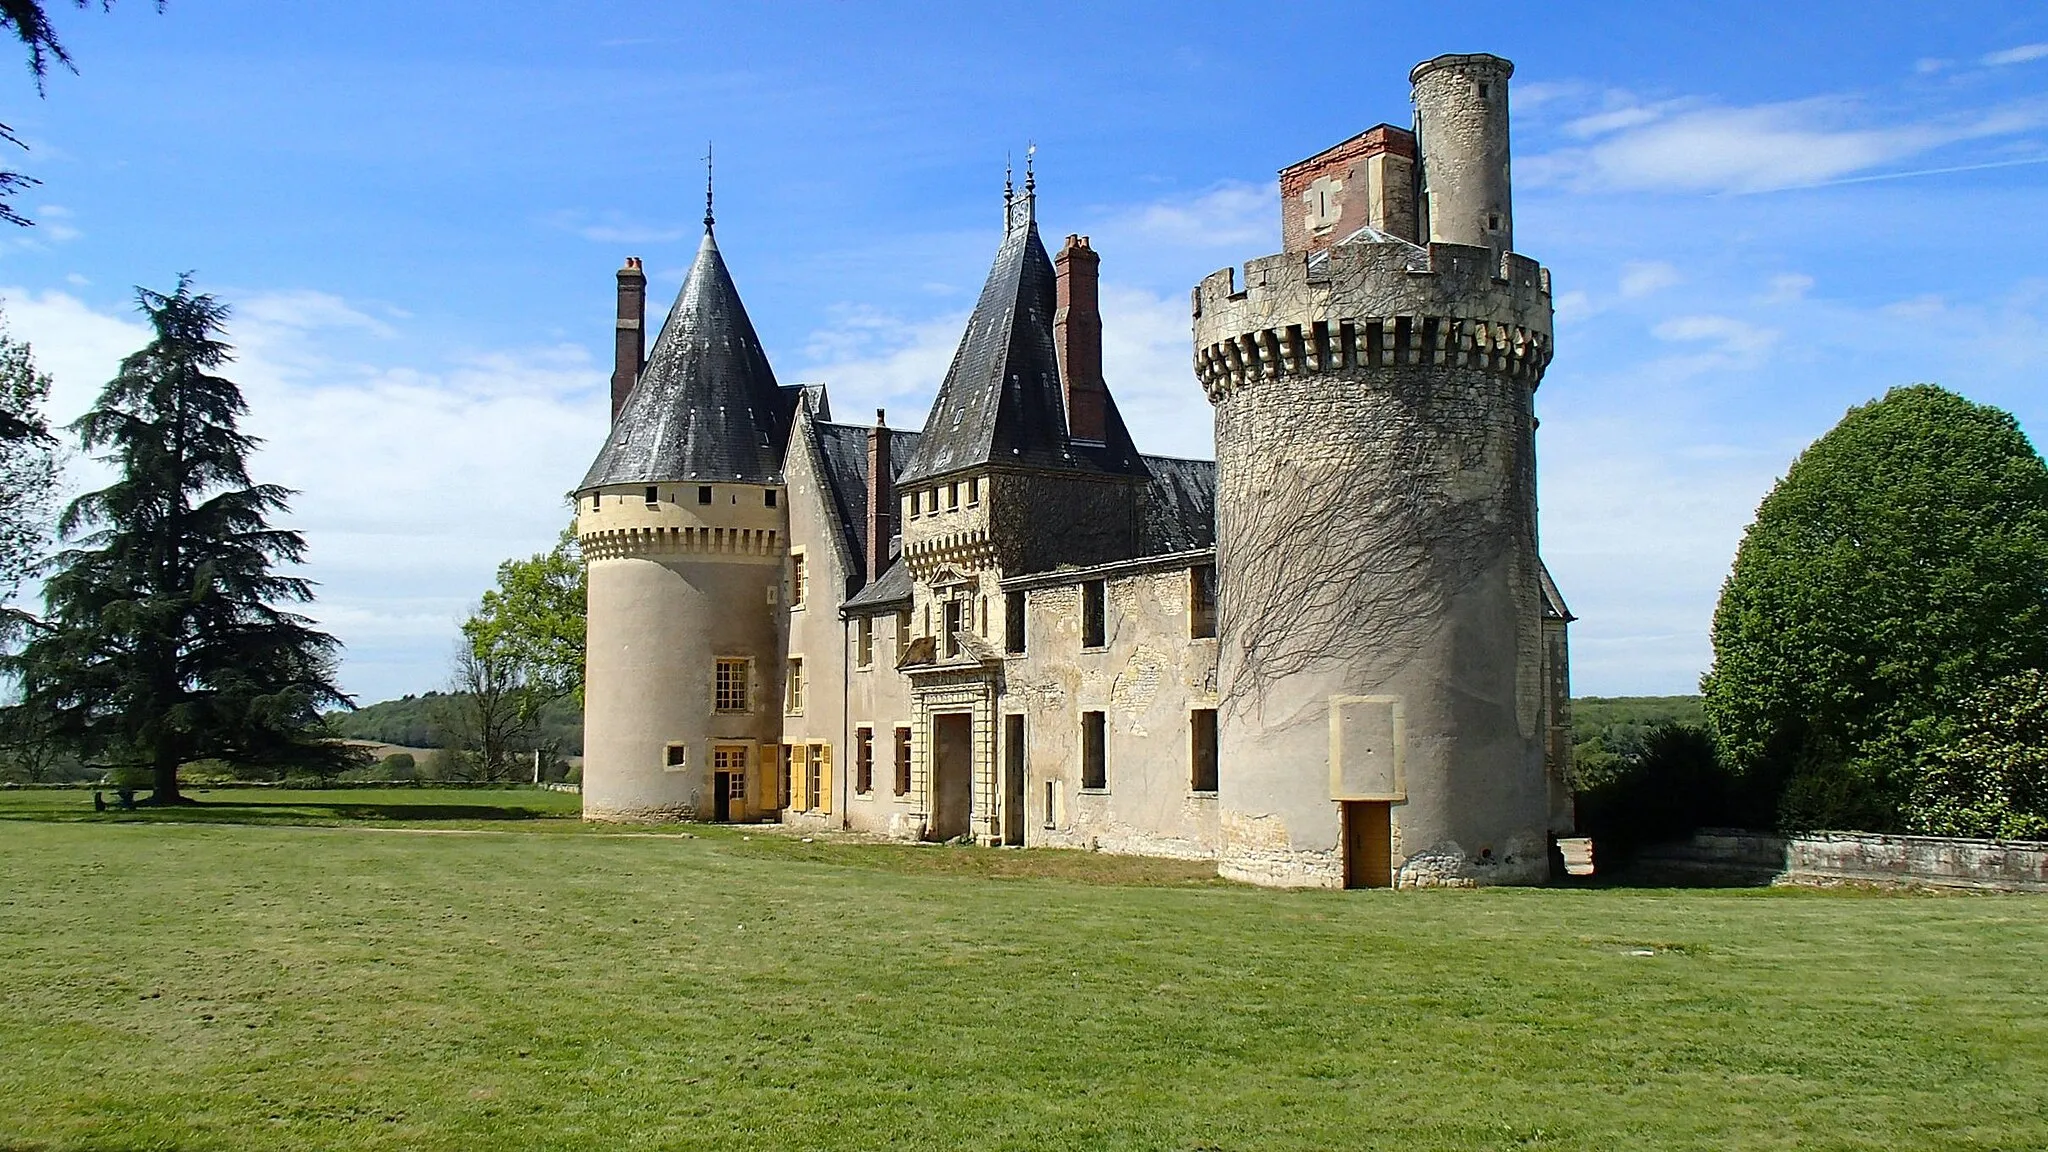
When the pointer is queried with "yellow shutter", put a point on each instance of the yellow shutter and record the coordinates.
(825, 777)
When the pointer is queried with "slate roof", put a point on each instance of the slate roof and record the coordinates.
(892, 590)
(845, 451)
(706, 407)
(1001, 401)
(1179, 505)
(1553, 600)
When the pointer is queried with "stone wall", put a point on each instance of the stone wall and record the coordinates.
(1856, 857)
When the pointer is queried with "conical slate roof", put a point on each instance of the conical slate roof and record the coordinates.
(1001, 401)
(706, 407)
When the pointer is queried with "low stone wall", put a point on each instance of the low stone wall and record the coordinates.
(1855, 857)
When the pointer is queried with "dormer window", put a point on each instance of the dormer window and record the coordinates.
(653, 496)
(703, 493)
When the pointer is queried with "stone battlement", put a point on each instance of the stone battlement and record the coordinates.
(1363, 305)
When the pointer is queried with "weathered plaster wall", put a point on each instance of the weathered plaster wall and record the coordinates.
(816, 632)
(1146, 679)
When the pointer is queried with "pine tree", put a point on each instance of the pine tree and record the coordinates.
(163, 642)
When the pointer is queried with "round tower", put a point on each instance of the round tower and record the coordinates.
(684, 528)
(1461, 130)
(683, 674)
(1380, 658)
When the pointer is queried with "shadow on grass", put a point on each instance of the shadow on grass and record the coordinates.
(439, 810)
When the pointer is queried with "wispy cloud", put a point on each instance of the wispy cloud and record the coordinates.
(614, 228)
(1644, 278)
(1227, 216)
(2021, 54)
(1698, 146)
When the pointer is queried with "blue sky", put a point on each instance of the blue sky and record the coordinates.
(1755, 215)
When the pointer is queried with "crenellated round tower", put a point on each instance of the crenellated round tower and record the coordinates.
(1381, 659)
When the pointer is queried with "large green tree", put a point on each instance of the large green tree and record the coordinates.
(28, 467)
(163, 640)
(1899, 568)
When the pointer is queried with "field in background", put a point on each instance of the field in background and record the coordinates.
(241, 986)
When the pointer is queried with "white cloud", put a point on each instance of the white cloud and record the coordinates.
(1230, 215)
(1644, 278)
(1733, 337)
(614, 228)
(2022, 54)
(1787, 287)
(415, 479)
(1687, 147)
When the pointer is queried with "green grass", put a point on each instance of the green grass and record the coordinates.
(424, 807)
(197, 986)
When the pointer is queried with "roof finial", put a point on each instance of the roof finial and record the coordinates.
(707, 186)
(1009, 191)
(1030, 186)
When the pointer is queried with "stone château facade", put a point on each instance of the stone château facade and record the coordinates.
(1332, 657)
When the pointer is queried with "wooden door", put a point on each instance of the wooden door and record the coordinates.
(1368, 844)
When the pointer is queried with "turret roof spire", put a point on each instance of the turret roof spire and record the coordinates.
(707, 407)
(1001, 401)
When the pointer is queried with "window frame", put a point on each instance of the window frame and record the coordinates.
(793, 687)
(1202, 608)
(745, 671)
(1197, 746)
(902, 741)
(864, 759)
(1094, 614)
(1015, 639)
(864, 644)
(1094, 750)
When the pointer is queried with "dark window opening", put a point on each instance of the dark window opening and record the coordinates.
(1092, 630)
(1049, 793)
(1094, 750)
(1202, 600)
(1493, 221)
(676, 755)
(704, 494)
(1486, 91)
(653, 495)
(768, 495)
(903, 761)
(1013, 622)
(952, 627)
(1202, 740)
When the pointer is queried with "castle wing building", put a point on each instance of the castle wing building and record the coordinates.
(1332, 656)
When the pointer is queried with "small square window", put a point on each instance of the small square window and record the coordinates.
(768, 496)
(676, 756)
(653, 495)
(703, 493)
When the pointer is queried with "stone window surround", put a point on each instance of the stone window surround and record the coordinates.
(722, 667)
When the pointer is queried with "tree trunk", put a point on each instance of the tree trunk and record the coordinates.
(164, 779)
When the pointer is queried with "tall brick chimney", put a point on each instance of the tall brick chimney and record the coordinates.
(631, 353)
(881, 497)
(1077, 334)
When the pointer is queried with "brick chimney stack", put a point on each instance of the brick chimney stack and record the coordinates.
(631, 353)
(1077, 334)
(881, 497)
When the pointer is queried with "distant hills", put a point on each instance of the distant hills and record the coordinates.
(418, 721)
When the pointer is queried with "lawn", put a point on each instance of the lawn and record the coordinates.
(475, 985)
